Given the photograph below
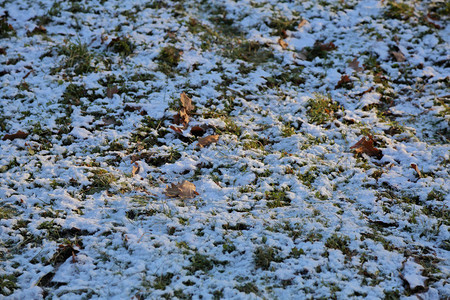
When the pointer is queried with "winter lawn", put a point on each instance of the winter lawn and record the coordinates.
(220, 149)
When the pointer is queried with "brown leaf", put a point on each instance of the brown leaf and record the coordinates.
(398, 56)
(186, 102)
(354, 64)
(183, 190)
(18, 135)
(111, 91)
(176, 129)
(366, 146)
(197, 131)
(416, 168)
(283, 44)
(327, 47)
(135, 169)
(181, 118)
(302, 23)
(202, 142)
(344, 82)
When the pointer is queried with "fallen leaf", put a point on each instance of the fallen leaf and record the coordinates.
(111, 91)
(327, 47)
(354, 64)
(135, 169)
(183, 190)
(176, 129)
(37, 30)
(398, 56)
(186, 102)
(202, 142)
(366, 146)
(109, 121)
(344, 82)
(416, 168)
(197, 131)
(283, 44)
(302, 23)
(18, 135)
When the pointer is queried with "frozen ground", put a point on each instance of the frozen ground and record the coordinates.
(286, 207)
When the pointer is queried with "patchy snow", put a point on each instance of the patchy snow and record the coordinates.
(286, 209)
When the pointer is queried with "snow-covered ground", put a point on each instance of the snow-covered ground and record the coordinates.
(289, 204)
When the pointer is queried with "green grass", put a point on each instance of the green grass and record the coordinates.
(168, 59)
(321, 109)
(277, 198)
(122, 45)
(264, 255)
(78, 58)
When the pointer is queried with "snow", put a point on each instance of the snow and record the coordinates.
(367, 228)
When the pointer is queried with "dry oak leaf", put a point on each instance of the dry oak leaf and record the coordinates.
(186, 102)
(111, 90)
(366, 146)
(176, 129)
(283, 44)
(135, 169)
(18, 135)
(197, 130)
(354, 64)
(181, 118)
(399, 57)
(416, 168)
(183, 190)
(202, 142)
(302, 23)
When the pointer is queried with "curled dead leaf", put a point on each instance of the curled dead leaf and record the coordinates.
(197, 131)
(183, 190)
(416, 168)
(135, 169)
(366, 146)
(202, 142)
(354, 64)
(176, 129)
(302, 23)
(398, 56)
(111, 91)
(282, 43)
(181, 118)
(186, 102)
(344, 82)
(18, 135)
